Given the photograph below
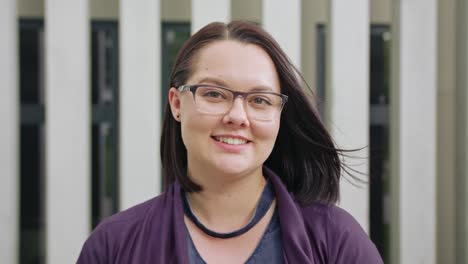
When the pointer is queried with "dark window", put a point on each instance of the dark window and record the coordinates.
(379, 138)
(174, 34)
(104, 129)
(104, 145)
(32, 180)
(321, 67)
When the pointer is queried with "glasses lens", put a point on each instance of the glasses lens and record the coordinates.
(263, 106)
(212, 100)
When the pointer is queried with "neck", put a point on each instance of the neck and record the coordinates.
(226, 203)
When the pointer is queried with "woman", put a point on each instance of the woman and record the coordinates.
(251, 172)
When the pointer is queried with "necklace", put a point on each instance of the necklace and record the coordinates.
(262, 207)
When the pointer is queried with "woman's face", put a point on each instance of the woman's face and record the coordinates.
(230, 143)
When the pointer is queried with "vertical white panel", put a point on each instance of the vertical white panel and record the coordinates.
(207, 11)
(348, 95)
(140, 101)
(418, 111)
(282, 19)
(9, 120)
(67, 125)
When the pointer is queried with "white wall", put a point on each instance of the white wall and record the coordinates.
(9, 134)
(140, 97)
(67, 128)
(348, 96)
(417, 60)
(288, 35)
(207, 11)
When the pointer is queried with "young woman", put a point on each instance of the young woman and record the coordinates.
(251, 173)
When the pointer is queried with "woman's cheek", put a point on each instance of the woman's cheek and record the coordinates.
(266, 130)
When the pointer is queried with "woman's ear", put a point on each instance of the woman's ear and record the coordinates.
(174, 102)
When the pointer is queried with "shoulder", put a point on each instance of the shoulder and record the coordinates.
(131, 215)
(344, 239)
(328, 216)
(116, 231)
(334, 217)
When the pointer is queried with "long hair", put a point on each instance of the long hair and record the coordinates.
(304, 155)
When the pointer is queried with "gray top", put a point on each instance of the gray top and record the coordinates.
(269, 249)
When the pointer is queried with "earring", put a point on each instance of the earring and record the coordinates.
(178, 117)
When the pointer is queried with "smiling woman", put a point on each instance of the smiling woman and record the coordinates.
(211, 158)
(251, 173)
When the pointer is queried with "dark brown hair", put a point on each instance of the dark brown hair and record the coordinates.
(304, 155)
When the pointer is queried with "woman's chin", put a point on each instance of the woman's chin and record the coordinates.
(234, 169)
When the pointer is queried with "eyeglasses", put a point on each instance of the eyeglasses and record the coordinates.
(217, 100)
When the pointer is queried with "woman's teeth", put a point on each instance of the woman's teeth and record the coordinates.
(231, 141)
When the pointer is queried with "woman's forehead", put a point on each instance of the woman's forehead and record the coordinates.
(230, 63)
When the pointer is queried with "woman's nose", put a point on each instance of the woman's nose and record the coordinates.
(237, 114)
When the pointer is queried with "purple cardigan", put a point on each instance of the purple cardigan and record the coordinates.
(155, 232)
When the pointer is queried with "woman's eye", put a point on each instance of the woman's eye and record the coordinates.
(261, 101)
(213, 94)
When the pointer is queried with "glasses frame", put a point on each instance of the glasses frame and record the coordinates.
(193, 88)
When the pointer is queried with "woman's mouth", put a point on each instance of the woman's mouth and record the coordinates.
(230, 140)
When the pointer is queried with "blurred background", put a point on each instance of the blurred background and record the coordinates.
(83, 85)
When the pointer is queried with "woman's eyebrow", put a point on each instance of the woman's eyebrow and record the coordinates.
(261, 89)
(220, 82)
(213, 81)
